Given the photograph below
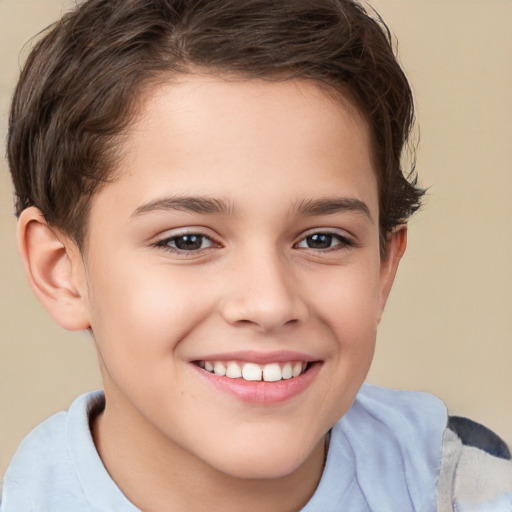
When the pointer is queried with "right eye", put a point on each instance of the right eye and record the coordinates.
(187, 242)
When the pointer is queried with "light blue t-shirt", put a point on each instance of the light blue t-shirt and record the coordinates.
(384, 456)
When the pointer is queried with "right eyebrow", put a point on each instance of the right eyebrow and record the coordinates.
(193, 204)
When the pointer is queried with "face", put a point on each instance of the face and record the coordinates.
(233, 277)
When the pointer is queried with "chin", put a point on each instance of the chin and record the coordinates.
(257, 462)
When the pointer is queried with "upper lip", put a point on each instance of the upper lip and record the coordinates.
(253, 356)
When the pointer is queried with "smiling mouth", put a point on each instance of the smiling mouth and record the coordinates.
(248, 371)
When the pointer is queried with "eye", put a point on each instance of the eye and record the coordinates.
(323, 241)
(187, 242)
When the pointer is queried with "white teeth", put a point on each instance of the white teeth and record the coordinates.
(297, 369)
(271, 372)
(219, 369)
(251, 371)
(287, 371)
(233, 371)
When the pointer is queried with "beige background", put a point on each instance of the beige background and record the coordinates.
(448, 325)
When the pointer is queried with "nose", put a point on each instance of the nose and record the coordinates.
(263, 293)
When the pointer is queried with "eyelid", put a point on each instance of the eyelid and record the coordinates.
(162, 240)
(345, 239)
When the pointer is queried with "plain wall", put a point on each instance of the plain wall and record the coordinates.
(447, 328)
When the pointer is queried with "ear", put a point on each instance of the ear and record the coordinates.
(55, 271)
(396, 244)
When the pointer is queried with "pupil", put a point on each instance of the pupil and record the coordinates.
(319, 241)
(188, 242)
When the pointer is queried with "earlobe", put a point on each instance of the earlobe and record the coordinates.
(54, 269)
(395, 249)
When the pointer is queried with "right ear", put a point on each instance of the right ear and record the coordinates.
(55, 270)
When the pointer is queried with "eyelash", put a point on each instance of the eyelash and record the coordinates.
(165, 243)
(343, 242)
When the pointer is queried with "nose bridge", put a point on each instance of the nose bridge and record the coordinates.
(263, 291)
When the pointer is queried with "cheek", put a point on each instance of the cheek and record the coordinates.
(347, 301)
(348, 312)
(140, 320)
(142, 316)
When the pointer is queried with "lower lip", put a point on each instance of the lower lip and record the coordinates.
(261, 392)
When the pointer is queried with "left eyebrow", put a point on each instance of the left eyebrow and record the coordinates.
(193, 204)
(332, 205)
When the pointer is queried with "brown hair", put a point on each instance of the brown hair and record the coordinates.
(79, 87)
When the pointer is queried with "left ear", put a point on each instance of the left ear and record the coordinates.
(396, 244)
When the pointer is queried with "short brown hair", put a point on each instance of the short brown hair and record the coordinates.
(79, 87)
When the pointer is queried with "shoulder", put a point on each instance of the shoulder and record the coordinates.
(43, 445)
(389, 444)
(409, 416)
(42, 469)
(476, 469)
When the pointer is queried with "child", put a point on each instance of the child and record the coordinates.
(213, 189)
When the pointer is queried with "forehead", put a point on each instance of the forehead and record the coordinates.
(286, 107)
(222, 137)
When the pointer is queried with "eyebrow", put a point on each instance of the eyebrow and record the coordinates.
(209, 205)
(332, 205)
(193, 204)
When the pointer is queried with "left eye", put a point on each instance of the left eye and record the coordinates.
(322, 241)
(187, 242)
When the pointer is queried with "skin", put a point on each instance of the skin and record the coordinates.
(256, 284)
